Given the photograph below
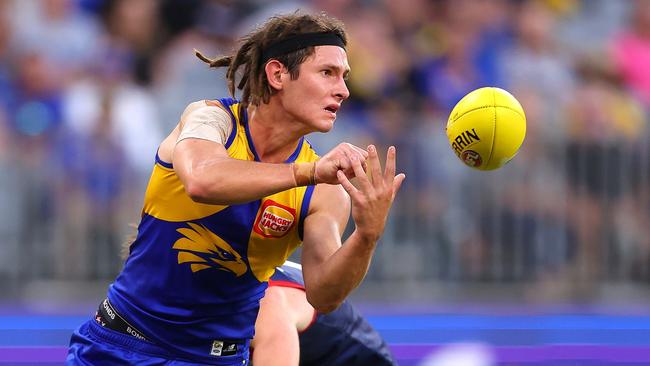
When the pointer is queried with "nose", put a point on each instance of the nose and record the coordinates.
(341, 90)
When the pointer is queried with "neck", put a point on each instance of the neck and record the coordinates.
(275, 133)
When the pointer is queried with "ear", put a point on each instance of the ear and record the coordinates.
(274, 70)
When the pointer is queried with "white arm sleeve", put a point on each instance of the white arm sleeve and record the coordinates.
(207, 122)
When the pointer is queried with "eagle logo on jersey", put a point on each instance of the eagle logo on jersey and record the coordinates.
(204, 249)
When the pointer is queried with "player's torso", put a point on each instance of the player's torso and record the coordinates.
(196, 272)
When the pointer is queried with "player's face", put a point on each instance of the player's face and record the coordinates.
(316, 96)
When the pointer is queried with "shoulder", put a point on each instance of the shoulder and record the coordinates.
(202, 105)
(193, 106)
(211, 112)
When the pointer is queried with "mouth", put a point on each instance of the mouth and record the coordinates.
(332, 108)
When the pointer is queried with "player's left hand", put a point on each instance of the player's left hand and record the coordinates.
(376, 191)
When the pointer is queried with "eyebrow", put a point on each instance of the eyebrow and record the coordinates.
(338, 69)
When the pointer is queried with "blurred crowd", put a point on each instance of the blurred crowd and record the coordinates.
(88, 88)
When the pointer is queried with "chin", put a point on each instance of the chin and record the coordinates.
(324, 125)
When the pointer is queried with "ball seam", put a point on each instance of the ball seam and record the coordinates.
(494, 130)
(488, 106)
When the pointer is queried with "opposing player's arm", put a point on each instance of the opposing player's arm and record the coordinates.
(331, 270)
(283, 311)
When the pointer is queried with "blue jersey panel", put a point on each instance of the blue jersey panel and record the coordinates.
(187, 308)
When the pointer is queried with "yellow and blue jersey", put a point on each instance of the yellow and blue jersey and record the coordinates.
(196, 272)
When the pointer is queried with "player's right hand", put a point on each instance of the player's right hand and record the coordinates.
(339, 158)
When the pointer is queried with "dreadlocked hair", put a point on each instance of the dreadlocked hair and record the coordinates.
(246, 62)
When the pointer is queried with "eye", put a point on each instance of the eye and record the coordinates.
(326, 72)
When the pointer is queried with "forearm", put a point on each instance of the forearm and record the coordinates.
(228, 181)
(278, 352)
(341, 273)
(332, 270)
(276, 341)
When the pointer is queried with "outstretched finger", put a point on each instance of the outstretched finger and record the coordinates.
(345, 182)
(374, 166)
(360, 174)
(397, 183)
(389, 172)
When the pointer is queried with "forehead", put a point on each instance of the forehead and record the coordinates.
(329, 55)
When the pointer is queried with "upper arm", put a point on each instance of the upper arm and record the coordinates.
(206, 120)
(201, 120)
(324, 225)
(282, 311)
(203, 130)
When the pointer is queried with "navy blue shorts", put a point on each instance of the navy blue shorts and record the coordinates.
(92, 344)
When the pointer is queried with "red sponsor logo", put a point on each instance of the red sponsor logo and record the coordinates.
(274, 220)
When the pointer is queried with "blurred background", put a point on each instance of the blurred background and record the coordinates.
(545, 261)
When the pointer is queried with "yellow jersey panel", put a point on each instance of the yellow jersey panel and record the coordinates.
(165, 198)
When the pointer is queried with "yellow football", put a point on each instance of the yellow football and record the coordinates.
(486, 128)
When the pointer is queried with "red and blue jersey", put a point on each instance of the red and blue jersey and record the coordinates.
(196, 272)
(342, 337)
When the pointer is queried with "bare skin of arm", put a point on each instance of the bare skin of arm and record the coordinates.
(210, 176)
(284, 311)
(332, 270)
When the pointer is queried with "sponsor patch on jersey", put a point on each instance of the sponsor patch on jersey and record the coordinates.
(274, 220)
(221, 348)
